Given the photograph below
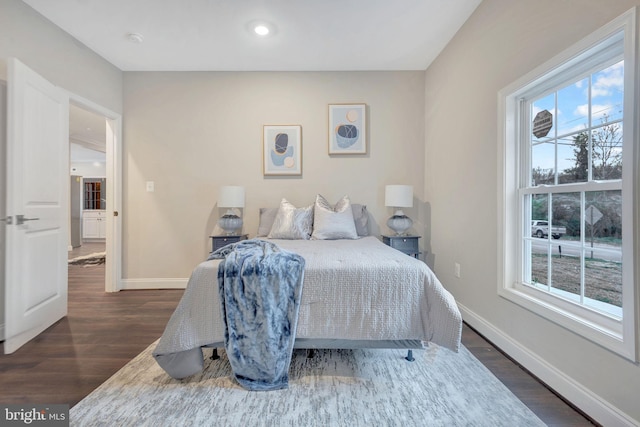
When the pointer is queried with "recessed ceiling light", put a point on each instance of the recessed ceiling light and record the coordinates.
(135, 38)
(261, 28)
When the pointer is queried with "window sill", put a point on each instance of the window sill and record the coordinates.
(598, 328)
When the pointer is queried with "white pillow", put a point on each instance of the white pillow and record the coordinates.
(333, 222)
(292, 222)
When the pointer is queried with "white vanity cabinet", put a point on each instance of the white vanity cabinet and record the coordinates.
(94, 224)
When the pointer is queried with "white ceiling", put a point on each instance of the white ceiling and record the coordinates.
(87, 135)
(80, 154)
(213, 35)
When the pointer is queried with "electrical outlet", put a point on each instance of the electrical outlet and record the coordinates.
(456, 270)
(151, 186)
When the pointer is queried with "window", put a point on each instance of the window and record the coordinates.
(566, 212)
(94, 193)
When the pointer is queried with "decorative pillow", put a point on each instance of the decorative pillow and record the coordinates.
(292, 222)
(333, 222)
(267, 217)
(361, 218)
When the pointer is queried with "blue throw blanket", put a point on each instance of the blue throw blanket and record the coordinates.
(260, 288)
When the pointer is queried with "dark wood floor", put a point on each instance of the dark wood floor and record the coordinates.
(104, 331)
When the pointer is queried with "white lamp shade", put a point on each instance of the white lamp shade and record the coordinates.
(231, 196)
(398, 196)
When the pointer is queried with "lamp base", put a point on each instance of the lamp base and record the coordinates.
(230, 223)
(399, 223)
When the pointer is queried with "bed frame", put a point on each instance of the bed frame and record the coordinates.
(314, 344)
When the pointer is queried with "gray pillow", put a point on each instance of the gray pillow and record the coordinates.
(361, 218)
(291, 222)
(333, 222)
(267, 216)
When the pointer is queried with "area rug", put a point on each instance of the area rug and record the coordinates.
(331, 388)
(95, 258)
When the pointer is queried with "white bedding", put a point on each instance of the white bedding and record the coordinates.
(353, 290)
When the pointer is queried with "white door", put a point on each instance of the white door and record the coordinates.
(37, 205)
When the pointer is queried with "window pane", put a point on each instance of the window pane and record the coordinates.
(565, 274)
(543, 164)
(539, 264)
(603, 219)
(573, 108)
(573, 158)
(603, 279)
(606, 153)
(606, 92)
(565, 220)
(539, 208)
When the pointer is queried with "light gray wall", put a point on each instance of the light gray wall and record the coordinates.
(191, 133)
(502, 41)
(59, 58)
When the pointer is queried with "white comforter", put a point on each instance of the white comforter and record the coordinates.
(353, 290)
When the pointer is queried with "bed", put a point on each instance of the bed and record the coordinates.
(358, 292)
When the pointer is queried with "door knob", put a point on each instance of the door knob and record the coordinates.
(20, 219)
(8, 219)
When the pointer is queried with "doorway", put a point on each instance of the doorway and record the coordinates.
(95, 161)
(88, 185)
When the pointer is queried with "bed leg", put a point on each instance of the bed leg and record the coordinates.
(410, 356)
(214, 355)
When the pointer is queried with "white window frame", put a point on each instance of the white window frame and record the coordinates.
(619, 336)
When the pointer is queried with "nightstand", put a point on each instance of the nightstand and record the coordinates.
(406, 244)
(219, 241)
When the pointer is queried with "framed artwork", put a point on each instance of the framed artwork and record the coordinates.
(282, 150)
(347, 128)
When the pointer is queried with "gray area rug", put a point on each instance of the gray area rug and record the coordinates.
(333, 388)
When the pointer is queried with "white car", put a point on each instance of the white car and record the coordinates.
(540, 228)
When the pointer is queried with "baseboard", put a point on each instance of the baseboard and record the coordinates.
(591, 404)
(131, 284)
(1, 331)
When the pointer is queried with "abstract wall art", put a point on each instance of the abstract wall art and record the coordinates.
(282, 150)
(347, 129)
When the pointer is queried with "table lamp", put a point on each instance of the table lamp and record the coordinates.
(231, 196)
(399, 196)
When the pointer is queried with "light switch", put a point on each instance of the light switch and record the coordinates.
(150, 186)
